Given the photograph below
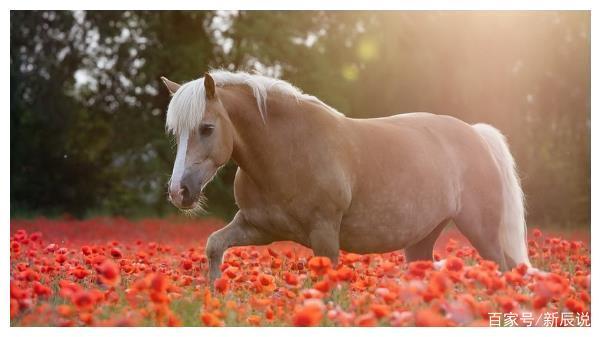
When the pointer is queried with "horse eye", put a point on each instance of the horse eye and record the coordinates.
(206, 129)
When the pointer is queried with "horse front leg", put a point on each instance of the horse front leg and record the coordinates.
(325, 241)
(237, 233)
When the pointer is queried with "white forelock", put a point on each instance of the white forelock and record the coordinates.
(187, 106)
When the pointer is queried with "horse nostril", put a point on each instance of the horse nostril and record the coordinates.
(185, 193)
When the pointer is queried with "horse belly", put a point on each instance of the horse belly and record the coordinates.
(396, 210)
(387, 230)
(409, 182)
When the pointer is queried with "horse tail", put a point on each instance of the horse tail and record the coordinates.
(512, 232)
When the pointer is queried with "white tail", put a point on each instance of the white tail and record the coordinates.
(512, 231)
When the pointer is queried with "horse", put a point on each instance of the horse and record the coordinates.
(309, 174)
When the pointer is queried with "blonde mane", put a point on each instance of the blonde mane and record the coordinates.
(187, 106)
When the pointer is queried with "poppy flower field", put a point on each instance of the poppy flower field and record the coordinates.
(153, 272)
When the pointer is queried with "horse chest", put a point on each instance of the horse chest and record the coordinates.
(275, 220)
(288, 211)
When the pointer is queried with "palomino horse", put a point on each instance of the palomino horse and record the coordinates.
(311, 175)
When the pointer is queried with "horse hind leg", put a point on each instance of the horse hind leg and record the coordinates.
(483, 233)
(423, 249)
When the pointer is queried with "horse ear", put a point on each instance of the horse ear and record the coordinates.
(209, 86)
(171, 86)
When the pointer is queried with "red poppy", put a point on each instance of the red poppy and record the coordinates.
(351, 258)
(41, 290)
(506, 303)
(210, 319)
(366, 320)
(116, 253)
(320, 265)
(430, 317)
(291, 279)
(419, 268)
(187, 264)
(323, 286)
(158, 282)
(221, 285)
(173, 320)
(14, 308)
(380, 310)
(267, 281)
(454, 263)
(109, 273)
(83, 300)
(80, 272)
(254, 320)
(310, 314)
(437, 285)
(15, 247)
(345, 274)
(513, 277)
(575, 305)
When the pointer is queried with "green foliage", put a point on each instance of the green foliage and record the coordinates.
(88, 109)
(98, 143)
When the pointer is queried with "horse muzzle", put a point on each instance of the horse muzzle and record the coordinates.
(184, 193)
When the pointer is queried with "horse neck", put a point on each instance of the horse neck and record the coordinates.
(261, 147)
